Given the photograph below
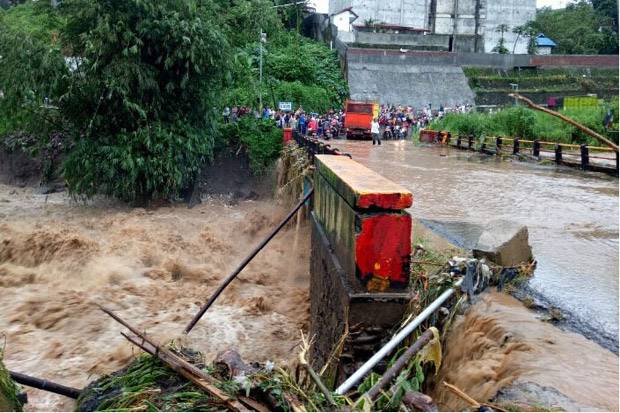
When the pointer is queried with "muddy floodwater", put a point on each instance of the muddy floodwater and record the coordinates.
(572, 216)
(59, 259)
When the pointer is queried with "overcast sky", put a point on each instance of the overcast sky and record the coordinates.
(553, 3)
(322, 6)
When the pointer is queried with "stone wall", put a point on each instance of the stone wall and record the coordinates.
(405, 40)
(418, 78)
(592, 61)
(410, 84)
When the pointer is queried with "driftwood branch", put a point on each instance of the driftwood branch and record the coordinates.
(176, 363)
(470, 400)
(313, 374)
(400, 364)
(566, 119)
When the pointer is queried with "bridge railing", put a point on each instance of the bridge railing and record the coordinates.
(586, 157)
(315, 146)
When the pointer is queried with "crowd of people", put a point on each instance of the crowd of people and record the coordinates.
(400, 122)
(327, 126)
(394, 121)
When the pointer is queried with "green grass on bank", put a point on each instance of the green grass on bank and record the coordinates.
(585, 80)
(527, 123)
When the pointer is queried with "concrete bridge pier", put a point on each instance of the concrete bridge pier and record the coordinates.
(360, 262)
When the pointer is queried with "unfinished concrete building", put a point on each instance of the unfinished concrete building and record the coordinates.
(454, 25)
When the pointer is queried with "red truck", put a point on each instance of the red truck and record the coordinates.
(358, 116)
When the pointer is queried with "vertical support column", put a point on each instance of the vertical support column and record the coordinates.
(558, 154)
(498, 145)
(515, 146)
(360, 257)
(585, 157)
(536, 149)
(458, 141)
(470, 142)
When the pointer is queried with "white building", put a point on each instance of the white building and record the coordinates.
(343, 20)
(544, 45)
(472, 24)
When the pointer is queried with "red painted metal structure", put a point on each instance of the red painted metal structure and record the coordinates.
(363, 216)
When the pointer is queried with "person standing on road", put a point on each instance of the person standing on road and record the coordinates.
(374, 129)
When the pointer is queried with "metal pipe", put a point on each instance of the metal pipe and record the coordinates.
(246, 261)
(396, 340)
(46, 385)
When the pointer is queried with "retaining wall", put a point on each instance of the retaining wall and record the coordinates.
(418, 78)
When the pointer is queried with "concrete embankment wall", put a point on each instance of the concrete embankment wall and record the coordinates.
(415, 85)
(418, 78)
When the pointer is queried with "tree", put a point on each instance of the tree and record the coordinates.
(139, 104)
(607, 9)
(526, 30)
(501, 44)
(579, 28)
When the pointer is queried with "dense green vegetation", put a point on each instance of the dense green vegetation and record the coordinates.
(542, 80)
(583, 27)
(527, 123)
(132, 91)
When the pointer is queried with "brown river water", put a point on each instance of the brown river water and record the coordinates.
(154, 267)
(59, 259)
(572, 217)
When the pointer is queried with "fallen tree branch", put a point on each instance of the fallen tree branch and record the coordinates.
(400, 364)
(470, 400)
(176, 363)
(566, 119)
(315, 377)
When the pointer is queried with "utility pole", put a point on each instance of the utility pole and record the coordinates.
(263, 39)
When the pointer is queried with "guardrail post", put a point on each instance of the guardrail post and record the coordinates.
(458, 141)
(585, 157)
(558, 153)
(498, 145)
(360, 256)
(536, 148)
(515, 146)
(470, 142)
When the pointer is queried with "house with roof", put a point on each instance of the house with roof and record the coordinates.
(343, 20)
(544, 45)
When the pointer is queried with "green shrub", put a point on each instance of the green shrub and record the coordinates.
(262, 141)
(527, 123)
(153, 162)
(141, 114)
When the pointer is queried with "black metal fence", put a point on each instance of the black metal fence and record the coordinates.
(316, 147)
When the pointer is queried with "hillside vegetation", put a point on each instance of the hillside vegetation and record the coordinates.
(527, 123)
(125, 97)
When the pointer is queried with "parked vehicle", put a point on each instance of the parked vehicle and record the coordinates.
(358, 117)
